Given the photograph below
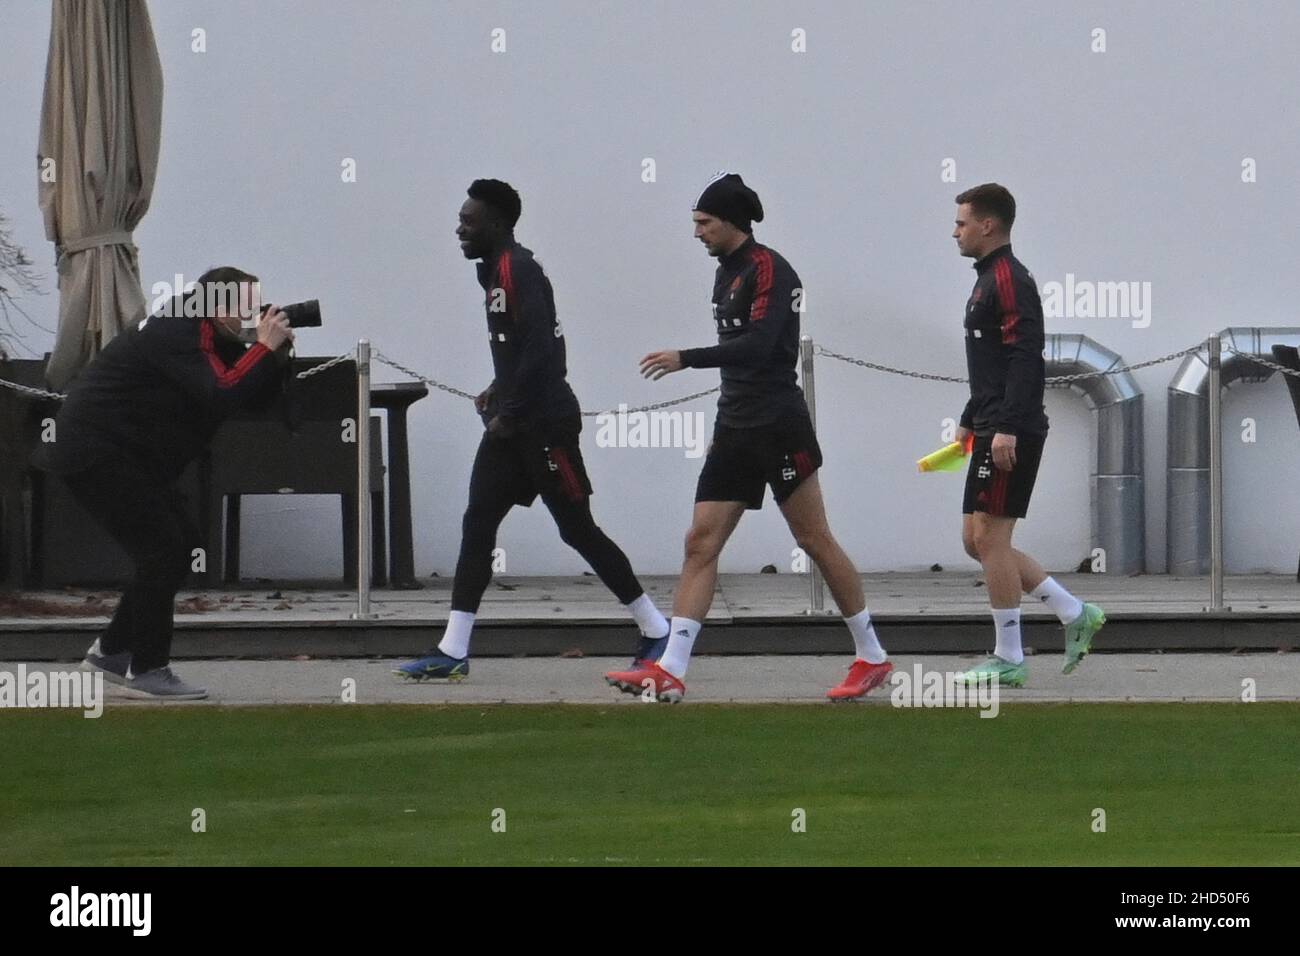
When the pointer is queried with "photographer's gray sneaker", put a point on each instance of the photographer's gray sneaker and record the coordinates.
(161, 684)
(112, 666)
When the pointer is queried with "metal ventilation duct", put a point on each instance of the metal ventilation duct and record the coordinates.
(1118, 503)
(1188, 492)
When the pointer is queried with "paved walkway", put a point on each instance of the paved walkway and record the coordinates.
(788, 679)
(581, 600)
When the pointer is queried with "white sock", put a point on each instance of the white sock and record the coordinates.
(455, 640)
(1062, 603)
(1007, 622)
(648, 618)
(681, 638)
(865, 642)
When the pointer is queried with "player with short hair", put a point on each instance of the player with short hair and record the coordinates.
(1004, 358)
(763, 437)
(530, 446)
(134, 419)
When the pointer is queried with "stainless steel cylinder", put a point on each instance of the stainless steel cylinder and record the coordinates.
(363, 480)
(1116, 483)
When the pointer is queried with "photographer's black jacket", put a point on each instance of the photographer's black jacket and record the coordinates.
(1004, 349)
(156, 395)
(756, 308)
(528, 355)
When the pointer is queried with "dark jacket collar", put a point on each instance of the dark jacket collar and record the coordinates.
(739, 255)
(487, 268)
(983, 265)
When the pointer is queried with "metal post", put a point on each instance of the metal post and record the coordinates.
(816, 592)
(363, 481)
(1215, 346)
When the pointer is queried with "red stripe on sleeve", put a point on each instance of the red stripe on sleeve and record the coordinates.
(763, 286)
(205, 344)
(1007, 296)
(507, 283)
(228, 376)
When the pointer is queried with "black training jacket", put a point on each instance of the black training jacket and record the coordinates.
(156, 395)
(757, 298)
(528, 356)
(1004, 349)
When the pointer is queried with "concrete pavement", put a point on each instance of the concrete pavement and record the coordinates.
(789, 679)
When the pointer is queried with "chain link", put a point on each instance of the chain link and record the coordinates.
(924, 376)
(455, 391)
(28, 390)
(1054, 380)
(42, 393)
(1080, 376)
(418, 377)
(819, 349)
(1293, 372)
(316, 369)
(657, 405)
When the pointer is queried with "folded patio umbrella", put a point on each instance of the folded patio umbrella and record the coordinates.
(101, 120)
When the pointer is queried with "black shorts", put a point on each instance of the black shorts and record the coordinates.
(742, 461)
(535, 460)
(1004, 494)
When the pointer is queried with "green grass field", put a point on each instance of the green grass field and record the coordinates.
(1180, 784)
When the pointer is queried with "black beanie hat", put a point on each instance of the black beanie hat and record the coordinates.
(727, 197)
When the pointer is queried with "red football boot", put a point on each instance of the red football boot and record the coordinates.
(863, 676)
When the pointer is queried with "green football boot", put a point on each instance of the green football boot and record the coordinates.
(1079, 634)
(1005, 673)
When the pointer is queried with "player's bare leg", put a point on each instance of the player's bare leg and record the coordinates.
(1008, 573)
(805, 513)
(1030, 572)
(711, 526)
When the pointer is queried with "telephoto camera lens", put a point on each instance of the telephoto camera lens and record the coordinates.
(301, 315)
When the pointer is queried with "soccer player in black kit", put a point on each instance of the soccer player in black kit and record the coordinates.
(530, 446)
(1004, 356)
(763, 436)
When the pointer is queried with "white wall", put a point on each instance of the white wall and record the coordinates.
(1126, 165)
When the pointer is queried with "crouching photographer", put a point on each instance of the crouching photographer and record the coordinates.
(133, 419)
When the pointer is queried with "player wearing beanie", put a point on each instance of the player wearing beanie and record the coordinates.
(763, 437)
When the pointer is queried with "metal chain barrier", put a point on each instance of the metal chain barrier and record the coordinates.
(1065, 379)
(28, 390)
(1054, 380)
(657, 405)
(315, 369)
(42, 393)
(819, 349)
(1294, 373)
(420, 378)
(461, 394)
(924, 376)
